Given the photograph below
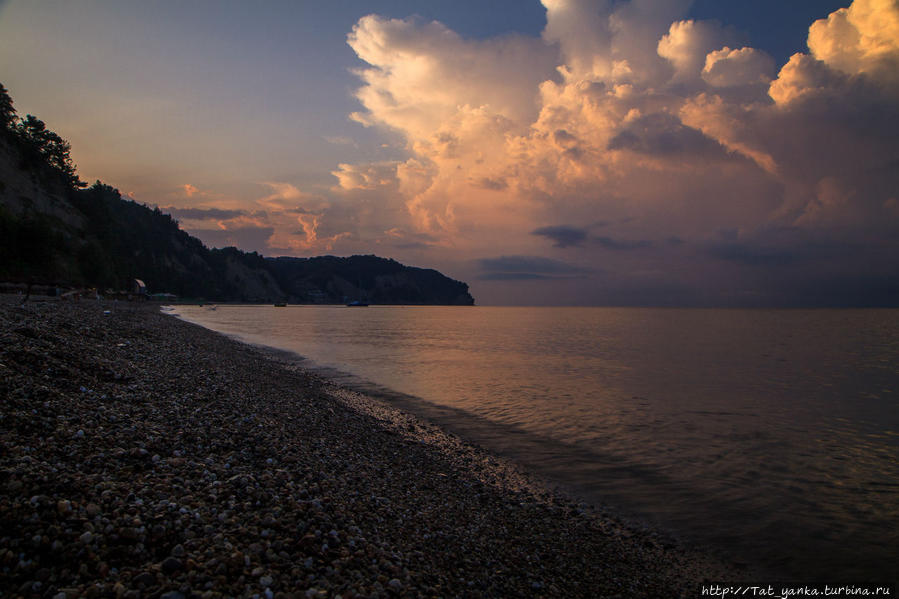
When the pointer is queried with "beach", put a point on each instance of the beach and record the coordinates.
(143, 456)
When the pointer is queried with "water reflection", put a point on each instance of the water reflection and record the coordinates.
(771, 432)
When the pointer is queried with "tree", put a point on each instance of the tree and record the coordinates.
(55, 150)
(7, 112)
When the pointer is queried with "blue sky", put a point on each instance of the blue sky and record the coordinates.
(647, 149)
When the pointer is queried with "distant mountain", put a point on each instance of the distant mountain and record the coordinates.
(54, 231)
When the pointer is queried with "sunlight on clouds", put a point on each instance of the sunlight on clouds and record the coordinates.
(621, 115)
(739, 67)
(641, 108)
(366, 176)
(859, 39)
(687, 45)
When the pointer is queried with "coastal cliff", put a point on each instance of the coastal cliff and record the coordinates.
(55, 231)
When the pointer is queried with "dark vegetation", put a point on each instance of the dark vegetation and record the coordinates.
(62, 232)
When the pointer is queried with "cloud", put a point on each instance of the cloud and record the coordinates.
(372, 175)
(804, 76)
(863, 38)
(491, 184)
(622, 244)
(629, 114)
(562, 235)
(687, 45)
(750, 254)
(664, 134)
(202, 213)
(423, 74)
(740, 67)
(283, 195)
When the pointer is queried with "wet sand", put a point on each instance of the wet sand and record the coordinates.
(143, 456)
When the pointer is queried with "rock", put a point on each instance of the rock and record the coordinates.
(145, 579)
(170, 565)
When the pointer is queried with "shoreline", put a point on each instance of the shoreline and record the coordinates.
(145, 456)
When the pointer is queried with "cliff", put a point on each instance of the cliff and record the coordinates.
(55, 232)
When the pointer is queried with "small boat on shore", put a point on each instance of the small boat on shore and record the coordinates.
(281, 305)
(357, 304)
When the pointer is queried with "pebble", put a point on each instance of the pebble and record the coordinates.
(170, 565)
(212, 466)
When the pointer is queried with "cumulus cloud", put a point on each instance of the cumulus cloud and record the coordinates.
(687, 45)
(740, 67)
(863, 38)
(626, 113)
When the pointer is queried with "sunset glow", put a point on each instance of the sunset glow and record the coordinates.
(623, 153)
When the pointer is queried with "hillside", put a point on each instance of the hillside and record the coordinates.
(55, 231)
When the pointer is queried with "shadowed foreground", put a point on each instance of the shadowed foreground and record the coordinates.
(143, 456)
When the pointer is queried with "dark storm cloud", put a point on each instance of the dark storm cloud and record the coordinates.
(562, 235)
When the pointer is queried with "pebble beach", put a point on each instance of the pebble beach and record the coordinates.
(143, 456)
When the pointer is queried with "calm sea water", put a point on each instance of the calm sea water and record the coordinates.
(771, 434)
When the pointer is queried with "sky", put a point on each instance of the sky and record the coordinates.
(563, 152)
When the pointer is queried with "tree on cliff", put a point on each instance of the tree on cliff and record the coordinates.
(7, 112)
(38, 145)
(54, 149)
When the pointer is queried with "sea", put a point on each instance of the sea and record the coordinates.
(771, 436)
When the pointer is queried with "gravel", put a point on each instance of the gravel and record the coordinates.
(143, 456)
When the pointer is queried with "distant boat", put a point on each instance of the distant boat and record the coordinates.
(281, 304)
(357, 304)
